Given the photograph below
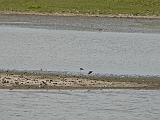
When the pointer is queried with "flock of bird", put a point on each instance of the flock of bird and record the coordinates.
(83, 69)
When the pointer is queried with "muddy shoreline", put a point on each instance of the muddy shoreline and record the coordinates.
(27, 80)
(81, 23)
(83, 15)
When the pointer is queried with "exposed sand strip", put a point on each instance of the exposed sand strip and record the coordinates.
(24, 81)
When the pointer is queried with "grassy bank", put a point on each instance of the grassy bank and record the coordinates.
(90, 7)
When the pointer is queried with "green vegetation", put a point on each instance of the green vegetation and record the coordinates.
(93, 7)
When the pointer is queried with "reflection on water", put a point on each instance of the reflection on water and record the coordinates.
(59, 50)
(80, 104)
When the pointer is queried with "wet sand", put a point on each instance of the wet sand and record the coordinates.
(23, 80)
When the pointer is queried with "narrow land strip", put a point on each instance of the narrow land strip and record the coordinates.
(23, 80)
(83, 15)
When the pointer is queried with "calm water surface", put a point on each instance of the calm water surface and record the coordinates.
(67, 50)
(65, 44)
(80, 104)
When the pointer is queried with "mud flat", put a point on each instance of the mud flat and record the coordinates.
(27, 80)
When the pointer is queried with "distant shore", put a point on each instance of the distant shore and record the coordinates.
(83, 15)
(24, 80)
(100, 8)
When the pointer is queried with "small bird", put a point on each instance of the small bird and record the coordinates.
(99, 29)
(81, 69)
(44, 82)
(90, 72)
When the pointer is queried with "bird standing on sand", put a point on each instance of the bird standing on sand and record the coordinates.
(90, 72)
(100, 29)
(81, 69)
(44, 82)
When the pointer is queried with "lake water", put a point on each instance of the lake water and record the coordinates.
(67, 50)
(124, 46)
(119, 104)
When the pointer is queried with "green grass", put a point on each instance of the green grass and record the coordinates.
(93, 7)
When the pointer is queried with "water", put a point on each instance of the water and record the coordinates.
(124, 46)
(80, 104)
(67, 50)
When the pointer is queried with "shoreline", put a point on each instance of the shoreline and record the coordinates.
(25, 80)
(80, 15)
